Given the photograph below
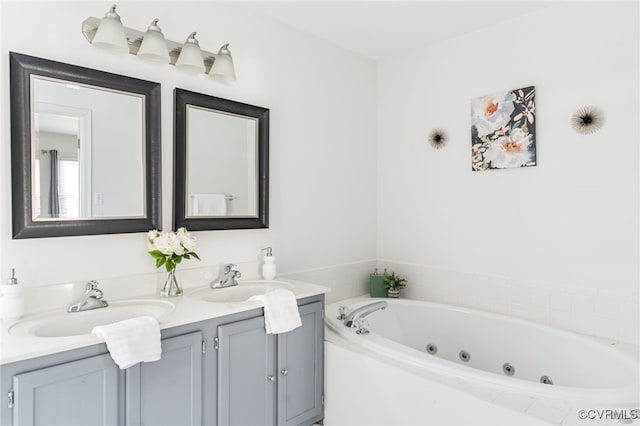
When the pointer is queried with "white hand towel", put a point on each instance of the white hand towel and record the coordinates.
(208, 205)
(280, 311)
(131, 341)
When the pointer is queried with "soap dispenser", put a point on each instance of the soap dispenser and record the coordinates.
(269, 265)
(12, 298)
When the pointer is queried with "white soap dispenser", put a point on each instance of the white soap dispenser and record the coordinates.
(12, 298)
(269, 265)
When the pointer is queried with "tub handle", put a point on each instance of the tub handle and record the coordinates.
(361, 326)
(342, 313)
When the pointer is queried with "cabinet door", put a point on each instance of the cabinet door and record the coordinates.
(300, 369)
(168, 391)
(246, 377)
(83, 392)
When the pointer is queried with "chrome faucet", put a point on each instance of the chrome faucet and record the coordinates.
(352, 319)
(92, 299)
(227, 278)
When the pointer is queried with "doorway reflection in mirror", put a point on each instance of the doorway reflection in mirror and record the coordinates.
(79, 134)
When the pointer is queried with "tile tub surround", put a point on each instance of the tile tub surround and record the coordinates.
(345, 280)
(186, 310)
(608, 314)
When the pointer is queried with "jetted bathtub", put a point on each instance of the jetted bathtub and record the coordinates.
(469, 348)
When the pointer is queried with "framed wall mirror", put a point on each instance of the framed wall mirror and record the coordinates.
(221, 169)
(85, 150)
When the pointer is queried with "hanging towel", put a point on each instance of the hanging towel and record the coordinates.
(207, 205)
(280, 311)
(131, 341)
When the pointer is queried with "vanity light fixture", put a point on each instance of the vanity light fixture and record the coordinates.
(154, 47)
(223, 65)
(190, 58)
(109, 33)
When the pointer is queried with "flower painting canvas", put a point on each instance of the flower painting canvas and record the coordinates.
(503, 133)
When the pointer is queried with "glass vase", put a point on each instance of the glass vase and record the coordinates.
(171, 287)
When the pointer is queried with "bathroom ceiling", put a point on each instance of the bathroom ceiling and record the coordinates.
(378, 29)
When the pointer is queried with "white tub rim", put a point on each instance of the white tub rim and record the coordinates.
(449, 370)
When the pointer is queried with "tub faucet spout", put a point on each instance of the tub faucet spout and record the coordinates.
(352, 317)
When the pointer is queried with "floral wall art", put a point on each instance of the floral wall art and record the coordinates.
(503, 132)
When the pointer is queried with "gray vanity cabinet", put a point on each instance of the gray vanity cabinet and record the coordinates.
(169, 391)
(224, 371)
(300, 369)
(83, 392)
(266, 379)
(246, 377)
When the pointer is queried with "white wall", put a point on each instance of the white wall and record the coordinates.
(322, 141)
(550, 241)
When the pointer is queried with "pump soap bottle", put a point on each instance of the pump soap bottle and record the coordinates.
(12, 298)
(269, 265)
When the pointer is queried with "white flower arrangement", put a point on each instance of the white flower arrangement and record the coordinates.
(169, 248)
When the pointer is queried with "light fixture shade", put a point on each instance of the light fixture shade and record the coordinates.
(190, 58)
(223, 65)
(110, 34)
(154, 47)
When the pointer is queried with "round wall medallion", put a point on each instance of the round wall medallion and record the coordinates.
(438, 138)
(587, 120)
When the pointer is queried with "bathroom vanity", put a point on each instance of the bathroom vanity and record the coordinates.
(222, 370)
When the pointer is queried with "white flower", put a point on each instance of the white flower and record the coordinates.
(168, 243)
(187, 240)
(151, 236)
(176, 246)
(170, 248)
(510, 151)
(490, 113)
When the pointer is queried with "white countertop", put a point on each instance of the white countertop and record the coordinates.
(186, 310)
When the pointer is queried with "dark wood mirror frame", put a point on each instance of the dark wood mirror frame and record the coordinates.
(183, 98)
(22, 67)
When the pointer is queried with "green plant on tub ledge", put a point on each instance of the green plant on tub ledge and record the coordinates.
(394, 283)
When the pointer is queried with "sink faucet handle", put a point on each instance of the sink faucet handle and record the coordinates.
(229, 267)
(92, 285)
(237, 274)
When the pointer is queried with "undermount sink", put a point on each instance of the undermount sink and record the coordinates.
(64, 324)
(240, 293)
